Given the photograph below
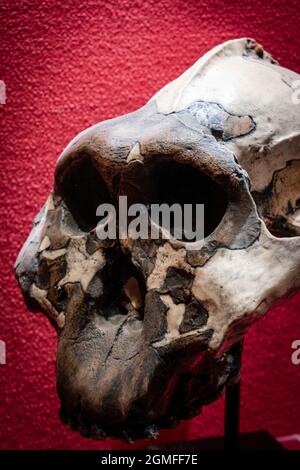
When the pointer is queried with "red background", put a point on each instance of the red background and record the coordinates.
(66, 66)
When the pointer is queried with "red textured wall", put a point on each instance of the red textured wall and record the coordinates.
(68, 64)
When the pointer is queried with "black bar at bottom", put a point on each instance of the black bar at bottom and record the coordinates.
(232, 416)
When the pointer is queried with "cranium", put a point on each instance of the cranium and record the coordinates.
(148, 330)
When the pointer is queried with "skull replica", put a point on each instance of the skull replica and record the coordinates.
(149, 331)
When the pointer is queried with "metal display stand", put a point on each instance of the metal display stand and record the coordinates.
(232, 440)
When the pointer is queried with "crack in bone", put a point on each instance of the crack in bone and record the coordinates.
(40, 295)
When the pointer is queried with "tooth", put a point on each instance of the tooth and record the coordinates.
(132, 291)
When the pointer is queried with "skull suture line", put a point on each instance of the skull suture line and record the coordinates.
(148, 331)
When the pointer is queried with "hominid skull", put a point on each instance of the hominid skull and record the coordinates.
(148, 330)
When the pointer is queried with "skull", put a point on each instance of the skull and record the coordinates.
(149, 331)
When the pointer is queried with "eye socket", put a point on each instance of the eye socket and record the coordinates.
(83, 190)
(165, 181)
(184, 184)
(157, 182)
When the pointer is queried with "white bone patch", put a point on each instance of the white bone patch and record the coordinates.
(81, 267)
(134, 154)
(174, 317)
(46, 243)
(234, 284)
(40, 296)
(54, 254)
(167, 257)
